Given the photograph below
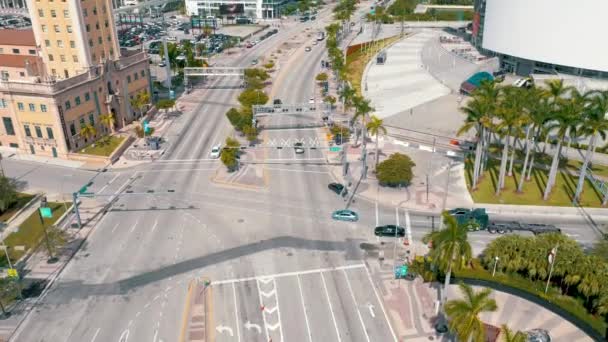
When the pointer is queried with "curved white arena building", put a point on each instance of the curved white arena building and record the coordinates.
(544, 36)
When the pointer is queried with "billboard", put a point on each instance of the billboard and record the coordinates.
(232, 9)
(569, 33)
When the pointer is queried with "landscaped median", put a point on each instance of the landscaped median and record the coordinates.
(565, 306)
(103, 147)
(22, 200)
(31, 232)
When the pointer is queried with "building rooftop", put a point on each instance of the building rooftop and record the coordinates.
(17, 37)
(17, 61)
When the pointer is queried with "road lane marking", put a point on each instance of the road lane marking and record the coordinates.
(331, 309)
(221, 328)
(135, 225)
(262, 305)
(95, 335)
(287, 274)
(408, 227)
(352, 295)
(177, 170)
(236, 314)
(304, 308)
(377, 214)
(294, 170)
(155, 224)
(108, 183)
(397, 216)
(115, 226)
(369, 277)
(124, 336)
(248, 325)
(370, 306)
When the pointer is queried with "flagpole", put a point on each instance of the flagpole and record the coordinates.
(552, 256)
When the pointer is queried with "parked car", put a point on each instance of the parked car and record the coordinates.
(345, 215)
(389, 230)
(216, 151)
(277, 103)
(254, 62)
(162, 64)
(337, 188)
(308, 49)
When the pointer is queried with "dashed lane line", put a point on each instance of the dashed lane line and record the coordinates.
(352, 295)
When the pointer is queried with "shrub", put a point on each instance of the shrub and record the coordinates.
(340, 130)
(395, 171)
(269, 65)
(321, 77)
(8, 193)
(251, 97)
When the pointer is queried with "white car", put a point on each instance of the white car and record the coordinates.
(171, 39)
(308, 49)
(315, 43)
(311, 100)
(216, 151)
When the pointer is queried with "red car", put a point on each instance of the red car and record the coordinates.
(248, 45)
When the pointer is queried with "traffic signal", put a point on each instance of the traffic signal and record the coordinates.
(43, 202)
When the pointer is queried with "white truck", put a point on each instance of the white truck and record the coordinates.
(320, 36)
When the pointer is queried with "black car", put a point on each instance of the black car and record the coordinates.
(337, 188)
(389, 231)
(277, 102)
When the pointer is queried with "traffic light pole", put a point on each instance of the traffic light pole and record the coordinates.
(76, 211)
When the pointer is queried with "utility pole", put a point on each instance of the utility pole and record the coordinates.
(445, 195)
(76, 211)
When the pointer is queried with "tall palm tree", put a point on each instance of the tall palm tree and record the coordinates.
(451, 249)
(508, 335)
(88, 131)
(346, 95)
(464, 313)
(362, 109)
(108, 120)
(376, 127)
(489, 93)
(539, 110)
(567, 116)
(510, 119)
(478, 118)
(594, 123)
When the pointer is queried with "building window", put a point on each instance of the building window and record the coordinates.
(8, 126)
(136, 76)
(143, 73)
(92, 119)
(105, 23)
(41, 13)
(32, 107)
(68, 105)
(94, 57)
(69, 28)
(47, 43)
(53, 14)
(20, 106)
(16, 51)
(57, 28)
(99, 40)
(82, 124)
(28, 133)
(60, 43)
(97, 25)
(4, 75)
(84, 12)
(72, 129)
(21, 73)
(51, 58)
(43, 108)
(129, 79)
(109, 38)
(66, 13)
(2, 103)
(31, 52)
(75, 58)
(62, 58)
(91, 45)
(43, 27)
(77, 100)
(87, 97)
(53, 72)
(88, 28)
(38, 131)
(94, 10)
(49, 133)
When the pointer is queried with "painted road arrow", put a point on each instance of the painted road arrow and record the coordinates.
(249, 326)
(222, 328)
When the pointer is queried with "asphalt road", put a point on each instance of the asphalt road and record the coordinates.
(277, 248)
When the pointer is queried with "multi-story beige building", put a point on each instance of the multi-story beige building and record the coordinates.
(63, 74)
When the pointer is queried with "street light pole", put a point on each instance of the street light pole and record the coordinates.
(46, 235)
(445, 195)
(495, 262)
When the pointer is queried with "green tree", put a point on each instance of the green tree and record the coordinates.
(230, 153)
(238, 119)
(57, 238)
(477, 117)
(321, 77)
(9, 291)
(139, 102)
(88, 131)
(251, 97)
(250, 132)
(594, 124)
(8, 193)
(395, 171)
(346, 95)
(165, 104)
(600, 249)
(451, 249)
(376, 127)
(362, 109)
(330, 99)
(108, 120)
(464, 313)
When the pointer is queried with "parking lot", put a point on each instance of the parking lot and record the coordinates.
(333, 304)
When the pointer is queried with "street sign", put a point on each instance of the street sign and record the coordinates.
(46, 212)
(172, 94)
(335, 149)
(12, 273)
(400, 271)
(146, 127)
(82, 190)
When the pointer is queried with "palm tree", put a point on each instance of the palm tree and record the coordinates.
(450, 248)
(88, 131)
(347, 95)
(594, 123)
(362, 109)
(108, 120)
(464, 313)
(508, 335)
(539, 111)
(140, 101)
(376, 127)
(477, 117)
(567, 116)
(489, 93)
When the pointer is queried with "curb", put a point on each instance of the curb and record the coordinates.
(238, 185)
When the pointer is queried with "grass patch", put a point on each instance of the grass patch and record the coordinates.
(22, 200)
(597, 169)
(356, 62)
(30, 232)
(533, 190)
(569, 304)
(103, 147)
